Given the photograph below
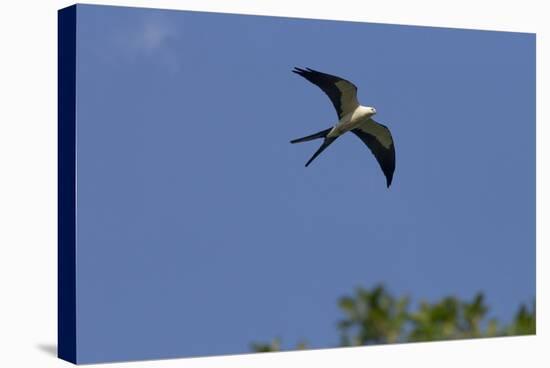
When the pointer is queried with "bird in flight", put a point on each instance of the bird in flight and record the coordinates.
(351, 117)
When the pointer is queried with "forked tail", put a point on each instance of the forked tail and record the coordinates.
(322, 134)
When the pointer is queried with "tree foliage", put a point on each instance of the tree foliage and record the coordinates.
(377, 317)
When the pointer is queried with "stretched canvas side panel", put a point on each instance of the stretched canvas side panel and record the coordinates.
(66, 325)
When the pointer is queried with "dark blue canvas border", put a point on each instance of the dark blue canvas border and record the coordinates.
(66, 159)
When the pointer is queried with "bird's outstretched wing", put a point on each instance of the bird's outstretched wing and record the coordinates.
(379, 140)
(341, 92)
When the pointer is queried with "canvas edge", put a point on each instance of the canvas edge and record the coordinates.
(66, 159)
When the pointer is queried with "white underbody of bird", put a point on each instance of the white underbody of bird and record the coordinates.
(351, 117)
(354, 119)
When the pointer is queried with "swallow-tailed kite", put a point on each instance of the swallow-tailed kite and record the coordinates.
(351, 117)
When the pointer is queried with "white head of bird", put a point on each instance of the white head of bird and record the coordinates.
(363, 112)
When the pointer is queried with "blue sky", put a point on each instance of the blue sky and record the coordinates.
(200, 230)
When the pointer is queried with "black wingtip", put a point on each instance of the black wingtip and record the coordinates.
(299, 71)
